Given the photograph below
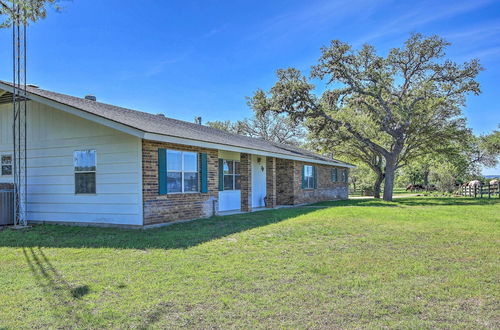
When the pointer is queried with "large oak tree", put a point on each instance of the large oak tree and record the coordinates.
(400, 106)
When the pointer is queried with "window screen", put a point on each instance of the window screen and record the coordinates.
(6, 163)
(85, 171)
(182, 171)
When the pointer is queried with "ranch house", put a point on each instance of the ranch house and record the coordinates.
(95, 163)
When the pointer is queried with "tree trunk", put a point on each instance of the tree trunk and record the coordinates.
(376, 185)
(426, 178)
(390, 172)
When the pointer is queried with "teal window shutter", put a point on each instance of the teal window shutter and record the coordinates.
(162, 171)
(221, 174)
(304, 183)
(346, 175)
(315, 178)
(203, 172)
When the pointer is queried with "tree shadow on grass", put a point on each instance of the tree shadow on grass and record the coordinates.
(188, 234)
(176, 236)
(62, 296)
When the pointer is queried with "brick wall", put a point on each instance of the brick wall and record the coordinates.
(283, 188)
(271, 182)
(246, 182)
(173, 207)
(289, 184)
(285, 181)
(326, 189)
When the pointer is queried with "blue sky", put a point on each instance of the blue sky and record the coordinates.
(202, 58)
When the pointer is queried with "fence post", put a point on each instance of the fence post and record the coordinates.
(489, 191)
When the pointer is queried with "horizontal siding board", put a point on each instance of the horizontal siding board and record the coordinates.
(110, 178)
(70, 188)
(115, 199)
(124, 219)
(85, 208)
(69, 170)
(54, 136)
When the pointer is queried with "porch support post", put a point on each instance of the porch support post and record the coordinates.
(246, 182)
(271, 182)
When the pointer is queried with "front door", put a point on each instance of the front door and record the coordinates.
(258, 180)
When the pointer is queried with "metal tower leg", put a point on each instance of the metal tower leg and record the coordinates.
(19, 127)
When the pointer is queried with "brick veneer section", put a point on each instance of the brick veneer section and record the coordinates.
(283, 184)
(173, 207)
(289, 184)
(270, 182)
(326, 189)
(246, 182)
(285, 181)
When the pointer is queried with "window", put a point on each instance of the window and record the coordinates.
(6, 163)
(231, 171)
(308, 177)
(85, 167)
(182, 171)
(343, 175)
(335, 174)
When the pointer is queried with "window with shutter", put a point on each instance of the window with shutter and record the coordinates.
(178, 171)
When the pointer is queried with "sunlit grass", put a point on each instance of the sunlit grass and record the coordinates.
(415, 262)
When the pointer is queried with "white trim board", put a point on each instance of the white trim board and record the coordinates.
(211, 145)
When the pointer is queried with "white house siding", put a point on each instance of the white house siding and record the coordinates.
(53, 136)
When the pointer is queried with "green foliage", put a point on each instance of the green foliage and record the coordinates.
(398, 107)
(492, 143)
(24, 11)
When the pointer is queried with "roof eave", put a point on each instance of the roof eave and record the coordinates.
(226, 147)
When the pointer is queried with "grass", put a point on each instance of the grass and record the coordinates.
(396, 192)
(412, 263)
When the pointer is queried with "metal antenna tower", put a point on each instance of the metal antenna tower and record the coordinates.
(19, 108)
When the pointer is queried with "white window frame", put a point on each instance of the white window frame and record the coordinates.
(234, 175)
(311, 176)
(80, 172)
(11, 165)
(182, 171)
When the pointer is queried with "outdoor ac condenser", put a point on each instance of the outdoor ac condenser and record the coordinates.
(6, 207)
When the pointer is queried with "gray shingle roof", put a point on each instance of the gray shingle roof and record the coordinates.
(159, 124)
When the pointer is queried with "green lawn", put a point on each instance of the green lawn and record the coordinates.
(396, 191)
(412, 263)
